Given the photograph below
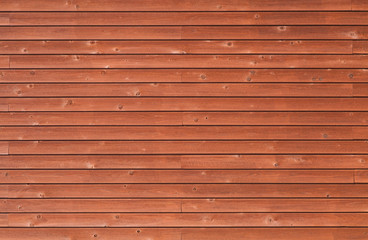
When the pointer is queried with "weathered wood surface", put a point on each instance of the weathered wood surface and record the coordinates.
(184, 120)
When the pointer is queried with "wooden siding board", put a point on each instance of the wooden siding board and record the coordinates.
(185, 233)
(182, 205)
(179, 120)
(182, 18)
(177, 176)
(184, 133)
(185, 104)
(175, 5)
(183, 118)
(182, 47)
(183, 32)
(187, 220)
(184, 90)
(238, 161)
(205, 191)
(184, 75)
(188, 147)
(188, 61)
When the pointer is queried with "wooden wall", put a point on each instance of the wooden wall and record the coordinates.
(184, 119)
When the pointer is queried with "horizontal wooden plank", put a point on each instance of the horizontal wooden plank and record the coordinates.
(184, 133)
(188, 61)
(4, 61)
(185, 90)
(182, 118)
(361, 176)
(183, 75)
(183, 32)
(187, 220)
(274, 32)
(4, 148)
(179, 47)
(174, 5)
(188, 147)
(273, 161)
(184, 233)
(359, 5)
(274, 234)
(260, 205)
(93, 205)
(182, 190)
(99, 161)
(177, 176)
(111, 233)
(68, 33)
(183, 18)
(4, 107)
(183, 205)
(360, 47)
(185, 104)
(183, 161)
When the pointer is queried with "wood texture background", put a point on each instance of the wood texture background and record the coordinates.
(184, 119)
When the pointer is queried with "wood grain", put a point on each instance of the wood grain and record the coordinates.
(187, 220)
(275, 233)
(101, 191)
(185, 205)
(175, 5)
(181, 47)
(182, 118)
(184, 90)
(4, 148)
(183, 32)
(4, 61)
(183, 161)
(177, 176)
(183, 133)
(274, 205)
(185, 233)
(361, 176)
(188, 147)
(110, 205)
(185, 104)
(188, 61)
(182, 18)
(184, 75)
(359, 5)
